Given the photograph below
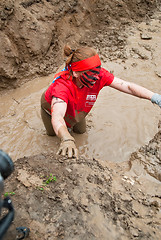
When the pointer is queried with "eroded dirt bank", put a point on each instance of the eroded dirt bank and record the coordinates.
(90, 199)
(34, 31)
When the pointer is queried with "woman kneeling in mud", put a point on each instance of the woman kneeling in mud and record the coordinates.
(73, 93)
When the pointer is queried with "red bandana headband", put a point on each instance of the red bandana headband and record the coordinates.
(83, 65)
(86, 64)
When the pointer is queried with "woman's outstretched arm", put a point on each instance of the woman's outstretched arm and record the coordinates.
(136, 90)
(131, 88)
(67, 146)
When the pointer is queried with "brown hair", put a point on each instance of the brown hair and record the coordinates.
(78, 54)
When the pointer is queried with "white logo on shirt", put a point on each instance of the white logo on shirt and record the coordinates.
(91, 97)
(90, 100)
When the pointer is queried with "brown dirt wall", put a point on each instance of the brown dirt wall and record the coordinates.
(33, 32)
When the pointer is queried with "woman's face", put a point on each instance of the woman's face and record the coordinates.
(77, 77)
(77, 74)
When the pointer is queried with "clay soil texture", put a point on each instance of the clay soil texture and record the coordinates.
(34, 32)
(59, 198)
(88, 198)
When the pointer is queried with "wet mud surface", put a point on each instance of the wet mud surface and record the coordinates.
(118, 123)
(98, 196)
(90, 199)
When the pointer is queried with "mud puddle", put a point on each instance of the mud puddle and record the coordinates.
(117, 125)
(91, 198)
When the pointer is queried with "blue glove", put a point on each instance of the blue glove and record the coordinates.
(156, 98)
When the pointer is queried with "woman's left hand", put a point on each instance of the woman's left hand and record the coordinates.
(68, 148)
(156, 98)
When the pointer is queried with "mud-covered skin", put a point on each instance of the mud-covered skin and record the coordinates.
(33, 32)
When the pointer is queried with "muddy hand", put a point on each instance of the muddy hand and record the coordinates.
(68, 148)
(156, 98)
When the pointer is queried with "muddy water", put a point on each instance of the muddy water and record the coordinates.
(118, 123)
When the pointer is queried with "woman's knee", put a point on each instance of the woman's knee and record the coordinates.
(80, 127)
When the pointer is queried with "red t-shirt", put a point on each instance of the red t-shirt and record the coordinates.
(79, 100)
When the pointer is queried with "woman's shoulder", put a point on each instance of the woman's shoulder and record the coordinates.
(106, 77)
(63, 80)
(104, 71)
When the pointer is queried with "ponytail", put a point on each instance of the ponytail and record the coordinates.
(78, 54)
(68, 51)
